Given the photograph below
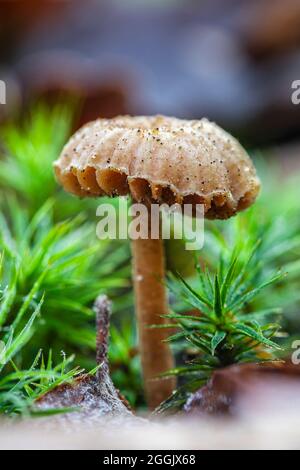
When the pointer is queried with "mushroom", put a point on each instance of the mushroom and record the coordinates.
(158, 160)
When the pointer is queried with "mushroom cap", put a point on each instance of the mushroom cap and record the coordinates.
(159, 159)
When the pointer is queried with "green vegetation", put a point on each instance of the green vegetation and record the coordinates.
(223, 328)
(53, 268)
(29, 150)
(244, 295)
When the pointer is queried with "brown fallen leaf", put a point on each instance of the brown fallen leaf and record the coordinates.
(246, 388)
(93, 397)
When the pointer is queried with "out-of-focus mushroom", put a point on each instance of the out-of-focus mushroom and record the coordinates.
(158, 160)
(53, 75)
(272, 28)
(19, 18)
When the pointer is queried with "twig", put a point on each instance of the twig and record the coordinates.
(102, 309)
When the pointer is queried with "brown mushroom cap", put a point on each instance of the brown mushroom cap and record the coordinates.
(160, 159)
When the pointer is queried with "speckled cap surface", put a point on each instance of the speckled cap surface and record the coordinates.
(160, 159)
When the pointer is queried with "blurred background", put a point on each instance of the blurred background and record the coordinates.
(233, 61)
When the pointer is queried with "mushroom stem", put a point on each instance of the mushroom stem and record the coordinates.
(151, 303)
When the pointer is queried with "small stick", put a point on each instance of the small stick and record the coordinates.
(102, 309)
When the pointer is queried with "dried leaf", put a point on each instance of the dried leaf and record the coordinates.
(91, 397)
